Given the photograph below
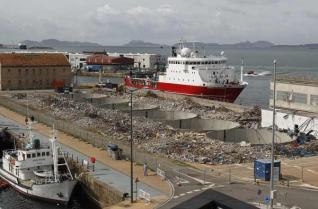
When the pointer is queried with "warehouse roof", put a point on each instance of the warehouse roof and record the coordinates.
(33, 59)
(99, 59)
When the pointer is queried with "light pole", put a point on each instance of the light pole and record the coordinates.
(131, 153)
(131, 90)
(273, 140)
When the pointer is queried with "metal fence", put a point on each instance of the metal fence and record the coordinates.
(89, 136)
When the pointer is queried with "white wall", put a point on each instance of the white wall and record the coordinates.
(288, 122)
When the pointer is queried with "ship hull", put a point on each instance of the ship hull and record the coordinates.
(226, 93)
(58, 193)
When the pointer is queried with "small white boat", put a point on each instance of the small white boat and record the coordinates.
(34, 171)
(252, 73)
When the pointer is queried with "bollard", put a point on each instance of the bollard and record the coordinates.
(302, 173)
(230, 176)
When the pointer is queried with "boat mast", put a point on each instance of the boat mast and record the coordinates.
(55, 155)
(29, 123)
(242, 68)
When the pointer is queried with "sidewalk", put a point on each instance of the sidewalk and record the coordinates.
(114, 173)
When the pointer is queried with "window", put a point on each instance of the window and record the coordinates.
(300, 98)
(38, 154)
(282, 95)
(314, 100)
(47, 153)
(33, 155)
(43, 154)
(9, 70)
(28, 156)
(26, 71)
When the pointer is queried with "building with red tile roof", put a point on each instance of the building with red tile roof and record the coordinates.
(110, 63)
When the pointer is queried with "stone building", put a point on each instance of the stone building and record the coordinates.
(33, 71)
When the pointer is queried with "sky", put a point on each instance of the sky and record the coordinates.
(115, 22)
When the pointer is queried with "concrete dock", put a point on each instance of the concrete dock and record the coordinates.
(106, 170)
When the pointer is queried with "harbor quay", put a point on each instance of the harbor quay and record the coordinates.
(186, 172)
(106, 181)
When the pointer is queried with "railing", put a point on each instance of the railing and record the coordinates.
(161, 173)
(144, 195)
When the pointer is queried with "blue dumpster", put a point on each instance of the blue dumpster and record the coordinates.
(262, 169)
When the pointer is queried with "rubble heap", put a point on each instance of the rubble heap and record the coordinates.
(156, 137)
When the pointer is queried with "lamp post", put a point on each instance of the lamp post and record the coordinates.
(131, 153)
(273, 140)
(131, 90)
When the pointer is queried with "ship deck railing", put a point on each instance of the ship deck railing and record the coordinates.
(51, 180)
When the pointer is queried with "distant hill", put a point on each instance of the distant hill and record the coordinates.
(240, 45)
(139, 43)
(57, 43)
(308, 46)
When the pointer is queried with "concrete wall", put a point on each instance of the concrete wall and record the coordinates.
(253, 136)
(199, 124)
(159, 115)
(290, 101)
(114, 103)
(285, 120)
(101, 194)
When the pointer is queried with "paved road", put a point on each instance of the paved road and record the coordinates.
(194, 181)
(102, 172)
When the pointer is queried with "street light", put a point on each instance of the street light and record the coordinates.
(131, 90)
(273, 140)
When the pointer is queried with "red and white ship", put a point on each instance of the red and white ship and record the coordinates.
(188, 73)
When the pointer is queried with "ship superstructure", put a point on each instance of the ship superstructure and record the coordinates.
(191, 74)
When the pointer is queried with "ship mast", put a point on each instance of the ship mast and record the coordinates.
(242, 68)
(55, 155)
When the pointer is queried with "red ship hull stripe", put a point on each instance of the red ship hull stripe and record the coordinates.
(228, 94)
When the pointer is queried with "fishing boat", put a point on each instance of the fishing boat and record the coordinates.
(39, 170)
(190, 73)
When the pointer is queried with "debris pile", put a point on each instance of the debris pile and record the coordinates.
(156, 137)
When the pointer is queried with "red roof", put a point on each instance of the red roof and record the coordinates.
(33, 59)
(107, 60)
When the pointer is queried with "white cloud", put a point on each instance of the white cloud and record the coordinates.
(106, 10)
(139, 10)
(166, 9)
(163, 21)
